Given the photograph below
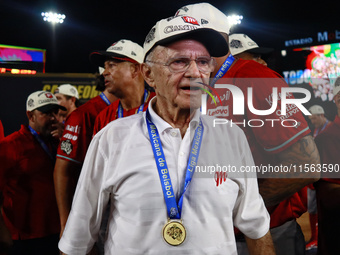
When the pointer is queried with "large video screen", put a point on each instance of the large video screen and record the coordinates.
(315, 68)
(22, 58)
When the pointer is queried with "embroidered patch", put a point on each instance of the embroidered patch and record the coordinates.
(66, 146)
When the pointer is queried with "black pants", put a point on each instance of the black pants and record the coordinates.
(38, 246)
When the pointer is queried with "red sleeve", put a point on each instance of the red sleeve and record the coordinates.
(278, 131)
(2, 135)
(76, 138)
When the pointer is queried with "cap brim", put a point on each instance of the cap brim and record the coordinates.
(211, 39)
(261, 50)
(99, 57)
(49, 107)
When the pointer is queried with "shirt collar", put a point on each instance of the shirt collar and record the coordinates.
(162, 125)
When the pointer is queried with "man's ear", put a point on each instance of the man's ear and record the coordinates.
(30, 116)
(148, 75)
(135, 69)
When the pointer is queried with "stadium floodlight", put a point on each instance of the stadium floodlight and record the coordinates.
(53, 17)
(235, 19)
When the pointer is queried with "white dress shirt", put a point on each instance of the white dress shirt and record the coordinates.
(120, 163)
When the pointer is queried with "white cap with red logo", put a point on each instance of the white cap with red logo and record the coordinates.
(177, 28)
(208, 15)
(43, 101)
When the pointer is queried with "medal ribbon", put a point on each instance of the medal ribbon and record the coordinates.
(42, 143)
(105, 99)
(223, 69)
(174, 210)
(140, 109)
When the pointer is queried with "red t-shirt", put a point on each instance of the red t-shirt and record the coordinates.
(26, 181)
(265, 137)
(328, 143)
(111, 113)
(78, 130)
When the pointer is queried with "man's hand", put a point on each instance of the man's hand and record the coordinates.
(58, 131)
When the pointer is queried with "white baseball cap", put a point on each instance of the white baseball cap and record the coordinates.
(123, 50)
(209, 16)
(316, 109)
(336, 88)
(43, 101)
(239, 43)
(68, 90)
(185, 27)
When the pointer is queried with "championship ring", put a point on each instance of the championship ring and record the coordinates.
(174, 233)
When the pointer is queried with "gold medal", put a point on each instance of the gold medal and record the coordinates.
(174, 233)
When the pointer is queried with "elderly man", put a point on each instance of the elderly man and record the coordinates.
(26, 179)
(159, 204)
(272, 145)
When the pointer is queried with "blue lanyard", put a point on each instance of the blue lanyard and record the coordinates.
(223, 69)
(105, 99)
(42, 143)
(318, 130)
(174, 210)
(140, 109)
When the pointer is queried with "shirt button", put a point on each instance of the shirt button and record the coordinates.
(173, 133)
(181, 153)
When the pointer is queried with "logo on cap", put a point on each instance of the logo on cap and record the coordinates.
(49, 95)
(151, 35)
(73, 91)
(190, 20)
(204, 21)
(236, 44)
(30, 103)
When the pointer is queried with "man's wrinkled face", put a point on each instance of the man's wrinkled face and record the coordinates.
(176, 72)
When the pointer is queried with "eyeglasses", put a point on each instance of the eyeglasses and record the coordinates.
(181, 65)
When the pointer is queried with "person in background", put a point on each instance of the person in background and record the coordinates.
(72, 149)
(318, 119)
(284, 193)
(320, 123)
(122, 62)
(242, 46)
(27, 158)
(68, 97)
(328, 188)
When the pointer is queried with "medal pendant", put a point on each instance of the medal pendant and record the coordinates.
(174, 232)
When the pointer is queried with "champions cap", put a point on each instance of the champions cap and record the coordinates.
(336, 88)
(68, 90)
(209, 16)
(239, 43)
(123, 50)
(185, 27)
(316, 109)
(43, 101)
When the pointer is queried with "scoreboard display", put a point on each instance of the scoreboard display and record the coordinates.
(22, 60)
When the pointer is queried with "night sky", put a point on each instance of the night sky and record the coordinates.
(95, 25)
